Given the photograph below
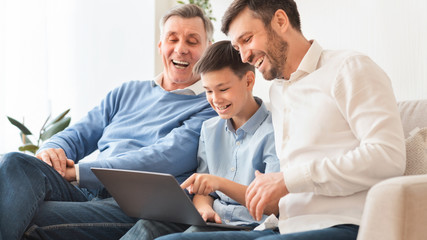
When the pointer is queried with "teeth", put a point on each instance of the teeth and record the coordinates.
(222, 107)
(180, 62)
(258, 62)
(179, 66)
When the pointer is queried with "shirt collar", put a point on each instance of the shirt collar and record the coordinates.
(309, 62)
(195, 89)
(254, 122)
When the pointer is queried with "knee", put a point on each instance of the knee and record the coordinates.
(16, 160)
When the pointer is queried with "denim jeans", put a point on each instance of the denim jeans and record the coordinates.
(150, 229)
(339, 232)
(38, 203)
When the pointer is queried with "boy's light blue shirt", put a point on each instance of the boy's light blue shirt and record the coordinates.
(236, 155)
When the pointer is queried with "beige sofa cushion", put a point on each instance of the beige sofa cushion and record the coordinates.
(413, 114)
(416, 152)
(395, 210)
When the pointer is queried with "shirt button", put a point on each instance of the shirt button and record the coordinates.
(237, 143)
(233, 169)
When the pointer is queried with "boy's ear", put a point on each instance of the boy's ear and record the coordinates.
(250, 79)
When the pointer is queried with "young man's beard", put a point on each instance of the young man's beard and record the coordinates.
(277, 51)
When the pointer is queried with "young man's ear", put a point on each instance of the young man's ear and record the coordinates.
(280, 21)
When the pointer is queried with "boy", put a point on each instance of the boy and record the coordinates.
(232, 147)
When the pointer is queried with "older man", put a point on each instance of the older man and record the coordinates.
(141, 125)
(336, 123)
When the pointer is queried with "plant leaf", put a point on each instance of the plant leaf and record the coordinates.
(55, 128)
(58, 118)
(45, 122)
(29, 147)
(27, 140)
(19, 125)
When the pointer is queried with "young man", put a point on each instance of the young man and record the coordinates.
(337, 127)
(232, 147)
(141, 125)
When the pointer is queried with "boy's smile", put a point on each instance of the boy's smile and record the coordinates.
(230, 96)
(222, 108)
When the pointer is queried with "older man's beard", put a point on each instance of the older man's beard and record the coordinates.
(277, 51)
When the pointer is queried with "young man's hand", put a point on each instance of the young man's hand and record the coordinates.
(202, 184)
(265, 189)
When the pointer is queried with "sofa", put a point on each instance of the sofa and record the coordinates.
(396, 208)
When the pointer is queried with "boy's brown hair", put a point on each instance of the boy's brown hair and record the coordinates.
(220, 55)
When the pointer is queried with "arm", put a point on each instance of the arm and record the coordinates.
(204, 184)
(78, 140)
(204, 206)
(175, 153)
(171, 151)
(81, 138)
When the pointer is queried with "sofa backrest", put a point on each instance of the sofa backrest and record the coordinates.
(413, 114)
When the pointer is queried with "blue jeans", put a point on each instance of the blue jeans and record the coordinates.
(339, 232)
(150, 229)
(38, 203)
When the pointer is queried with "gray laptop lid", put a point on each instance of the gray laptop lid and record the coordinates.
(155, 196)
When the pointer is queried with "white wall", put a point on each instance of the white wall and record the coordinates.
(392, 32)
(64, 54)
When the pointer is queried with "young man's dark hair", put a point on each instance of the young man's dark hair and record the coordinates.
(229, 57)
(263, 10)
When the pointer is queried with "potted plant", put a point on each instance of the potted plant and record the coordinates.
(48, 129)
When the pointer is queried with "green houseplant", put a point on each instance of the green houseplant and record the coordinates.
(48, 129)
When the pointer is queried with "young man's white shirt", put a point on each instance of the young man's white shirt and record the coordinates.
(338, 132)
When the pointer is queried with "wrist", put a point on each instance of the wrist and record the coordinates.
(220, 183)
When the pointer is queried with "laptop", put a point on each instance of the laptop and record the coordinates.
(154, 196)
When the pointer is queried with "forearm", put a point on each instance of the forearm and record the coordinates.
(232, 189)
(202, 201)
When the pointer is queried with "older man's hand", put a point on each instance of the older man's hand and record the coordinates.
(56, 158)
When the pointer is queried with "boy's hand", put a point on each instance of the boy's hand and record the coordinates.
(202, 184)
(209, 215)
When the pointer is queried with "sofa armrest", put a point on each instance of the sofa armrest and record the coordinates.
(396, 209)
